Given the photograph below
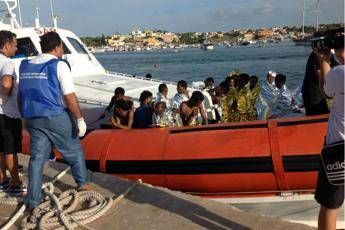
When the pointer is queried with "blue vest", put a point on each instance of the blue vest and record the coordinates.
(39, 89)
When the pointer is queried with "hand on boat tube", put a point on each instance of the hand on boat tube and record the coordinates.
(81, 127)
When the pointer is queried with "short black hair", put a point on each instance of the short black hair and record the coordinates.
(148, 76)
(144, 95)
(197, 96)
(281, 78)
(162, 87)
(245, 77)
(122, 104)
(50, 41)
(6, 36)
(182, 83)
(224, 85)
(210, 79)
(254, 78)
(119, 90)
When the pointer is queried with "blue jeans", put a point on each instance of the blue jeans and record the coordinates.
(58, 131)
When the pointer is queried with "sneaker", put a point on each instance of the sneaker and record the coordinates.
(52, 157)
(19, 190)
(4, 186)
(85, 187)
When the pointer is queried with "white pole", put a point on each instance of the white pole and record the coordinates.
(303, 14)
(52, 11)
(20, 14)
(317, 14)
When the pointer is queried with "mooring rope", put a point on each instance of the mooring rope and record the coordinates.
(69, 210)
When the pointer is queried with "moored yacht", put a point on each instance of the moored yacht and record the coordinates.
(94, 85)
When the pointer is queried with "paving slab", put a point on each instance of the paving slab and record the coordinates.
(148, 207)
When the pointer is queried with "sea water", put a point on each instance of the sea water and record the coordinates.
(192, 64)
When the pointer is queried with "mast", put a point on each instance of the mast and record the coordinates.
(317, 14)
(303, 16)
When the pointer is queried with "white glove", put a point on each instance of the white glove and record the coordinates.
(81, 127)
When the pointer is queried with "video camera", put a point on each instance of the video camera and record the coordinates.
(327, 40)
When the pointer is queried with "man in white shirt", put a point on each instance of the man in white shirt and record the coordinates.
(49, 104)
(10, 122)
(181, 96)
(331, 197)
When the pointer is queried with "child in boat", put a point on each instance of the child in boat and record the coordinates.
(224, 101)
(181, 96)
(143, 114)
(190, 109)
(255, 91)
(162, 95)
(161, 117)
(123, 115)
(243, 95)
(283, 102)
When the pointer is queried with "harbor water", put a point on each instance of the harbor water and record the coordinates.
(192, 64)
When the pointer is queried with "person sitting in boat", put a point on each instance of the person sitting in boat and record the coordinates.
(123, 115)
(231, 97)
(143, 114)
(161, 117)
(209, 83)
(224, 101)
(181, 96)
(267, 96)
(190, 109)
(255, 91)
(162, 95)
(242, 99)
(283, 101)
(119, 93)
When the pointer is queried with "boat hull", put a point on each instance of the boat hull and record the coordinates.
(225, 160)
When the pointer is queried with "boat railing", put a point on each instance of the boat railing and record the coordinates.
(141, 78)
(91, 102)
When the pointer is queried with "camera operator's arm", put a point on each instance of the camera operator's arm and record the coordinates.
(325, 65)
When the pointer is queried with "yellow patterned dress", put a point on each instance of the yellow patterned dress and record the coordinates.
(243, 103)
(231, 99)
(253, 113)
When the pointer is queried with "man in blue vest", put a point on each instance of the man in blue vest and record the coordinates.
(49, 104)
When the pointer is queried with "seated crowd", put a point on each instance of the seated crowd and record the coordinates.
(238, 98)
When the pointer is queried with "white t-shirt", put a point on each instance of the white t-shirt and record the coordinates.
(160, 97)
(63, 72)
(334, 87)
(8, 103)
(178, 99)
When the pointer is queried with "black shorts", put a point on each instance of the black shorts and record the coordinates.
(10, 135)
(326, 194)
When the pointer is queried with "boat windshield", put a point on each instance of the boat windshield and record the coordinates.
(26, 48)
(77, 46)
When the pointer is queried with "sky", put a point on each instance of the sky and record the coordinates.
(91, 18)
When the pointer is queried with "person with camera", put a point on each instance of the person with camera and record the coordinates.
(329, 195)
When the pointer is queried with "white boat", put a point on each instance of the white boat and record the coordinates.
(207, 46)
(94, 85)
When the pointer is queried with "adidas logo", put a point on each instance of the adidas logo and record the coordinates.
(336, 166)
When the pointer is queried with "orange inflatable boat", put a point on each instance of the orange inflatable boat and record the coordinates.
(223, 160)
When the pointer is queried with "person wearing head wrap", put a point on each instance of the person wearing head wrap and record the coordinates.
(282, 105)
(267, 96)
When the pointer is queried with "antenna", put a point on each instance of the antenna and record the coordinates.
(317, 11)
(303, 15)
(37, 19)
(20, 14)
(52, 11)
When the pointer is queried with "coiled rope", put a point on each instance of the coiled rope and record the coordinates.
(69, 210)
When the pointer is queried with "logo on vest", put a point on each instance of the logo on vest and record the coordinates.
(336, 166)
